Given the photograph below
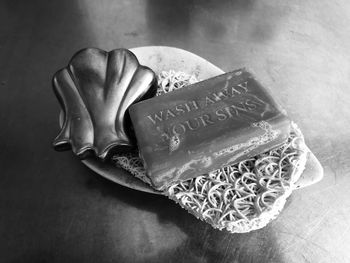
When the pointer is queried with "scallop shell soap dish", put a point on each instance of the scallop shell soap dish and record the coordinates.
(95, 91)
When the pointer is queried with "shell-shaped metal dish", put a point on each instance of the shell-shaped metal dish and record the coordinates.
(95, 90)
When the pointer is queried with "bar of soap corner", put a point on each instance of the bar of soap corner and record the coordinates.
(207, 125)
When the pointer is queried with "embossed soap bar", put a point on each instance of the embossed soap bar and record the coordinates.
(202, 127)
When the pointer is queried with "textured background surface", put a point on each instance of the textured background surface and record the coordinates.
(54, 209)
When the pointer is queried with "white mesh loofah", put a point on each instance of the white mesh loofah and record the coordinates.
(240, 197)
(247, 195)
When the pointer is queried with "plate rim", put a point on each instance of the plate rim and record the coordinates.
(107, 169)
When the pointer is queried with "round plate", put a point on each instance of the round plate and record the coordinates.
(161, 58)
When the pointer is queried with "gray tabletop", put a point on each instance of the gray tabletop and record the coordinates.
(54, 209)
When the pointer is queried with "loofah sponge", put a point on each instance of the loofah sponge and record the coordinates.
(241, 197)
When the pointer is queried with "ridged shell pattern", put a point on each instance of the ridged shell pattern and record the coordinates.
(95, 91)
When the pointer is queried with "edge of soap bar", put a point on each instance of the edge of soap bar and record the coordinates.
(275, 111)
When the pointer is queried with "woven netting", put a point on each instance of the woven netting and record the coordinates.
(240, 197)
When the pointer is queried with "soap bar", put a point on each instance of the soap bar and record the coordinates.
(202, 127)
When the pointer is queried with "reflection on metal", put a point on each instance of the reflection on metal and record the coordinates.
(95, 91)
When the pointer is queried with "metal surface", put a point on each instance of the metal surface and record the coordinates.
(54, 209)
